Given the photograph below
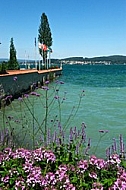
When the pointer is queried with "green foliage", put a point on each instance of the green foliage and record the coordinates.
(12, 63)
(44, 36)
(123, 163)
(40, 169)
(3, 67)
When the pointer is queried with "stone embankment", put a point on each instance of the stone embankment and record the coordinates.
(16, 82)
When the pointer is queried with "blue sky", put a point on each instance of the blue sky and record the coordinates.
(86, 28)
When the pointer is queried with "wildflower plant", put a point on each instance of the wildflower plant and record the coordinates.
(40, 169)
(42, 152)
(31, 130)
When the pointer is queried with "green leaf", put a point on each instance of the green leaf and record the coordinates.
(11, 181)
(123, 163)
(74, 179)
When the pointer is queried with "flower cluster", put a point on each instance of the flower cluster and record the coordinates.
(24, 163)
(40, 169)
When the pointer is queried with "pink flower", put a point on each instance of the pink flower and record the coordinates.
(93, 175)
(93, 160)
(114, 159)
(83, 165)
(97, 186)
(5, 179)
(120, 184)
(49, 156)
(100, 163)
(20, 184)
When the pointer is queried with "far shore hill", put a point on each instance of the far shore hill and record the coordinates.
(106, 60)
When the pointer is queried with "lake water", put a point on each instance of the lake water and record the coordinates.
(102, 108)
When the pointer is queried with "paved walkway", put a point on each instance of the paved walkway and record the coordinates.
(18, 72)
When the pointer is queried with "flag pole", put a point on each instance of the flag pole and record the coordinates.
(35, 55)
(46, 59)
(49, 59)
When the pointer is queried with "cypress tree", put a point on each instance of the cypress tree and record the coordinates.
(13, 63)
(44, 35)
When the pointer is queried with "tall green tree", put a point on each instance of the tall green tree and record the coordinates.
(13, 63)
(44, 35)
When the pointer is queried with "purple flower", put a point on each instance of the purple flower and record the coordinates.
(35, 94)
(49, 156)
(114, 146)
(108, 153)
(45, 87)
(83, 165)
(93, 160)
(93, 175)
(83, 132)
(1, 157)
(22, 153)
(100, 163)
(71, 135)
(56, 97)
(114, 159)
(20, 99)
(47, 82)
(5, 179)
(50, 178)
(97, 185)
(34, 176)
(119, 184)
(26, 95)
(15, 78)
(121, 144)
(88, 147)
(8, 97)
(20, 183)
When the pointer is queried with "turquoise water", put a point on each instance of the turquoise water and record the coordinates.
(104, 104)
(102, 108)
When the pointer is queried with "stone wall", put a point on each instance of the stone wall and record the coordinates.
(20, 82)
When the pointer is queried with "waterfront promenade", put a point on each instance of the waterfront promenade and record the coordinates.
(17, 81)
(19, 72)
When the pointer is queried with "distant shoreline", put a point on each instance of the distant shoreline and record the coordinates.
(106, 60)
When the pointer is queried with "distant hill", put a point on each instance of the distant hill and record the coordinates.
(113, 59)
